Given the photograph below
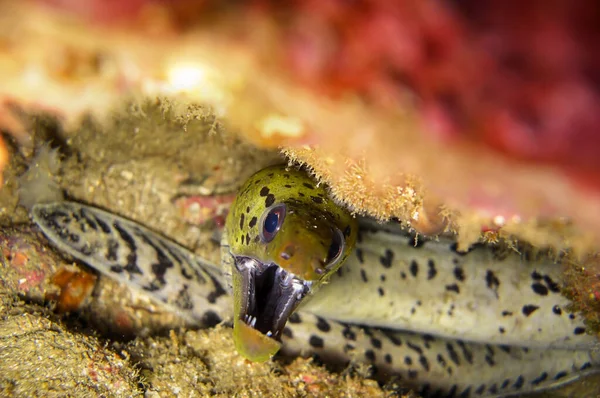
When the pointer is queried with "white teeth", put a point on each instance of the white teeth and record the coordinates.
(250, 320)
(287, 280)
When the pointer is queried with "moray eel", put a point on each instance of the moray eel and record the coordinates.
(284, 237)
(487, 322)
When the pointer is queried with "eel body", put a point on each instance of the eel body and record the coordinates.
(446, 323)
(485, 295)
(132, 254)
(438, 367)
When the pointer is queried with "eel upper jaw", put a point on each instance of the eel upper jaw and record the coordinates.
(269, 295)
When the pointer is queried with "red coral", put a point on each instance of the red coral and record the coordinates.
(521, 78)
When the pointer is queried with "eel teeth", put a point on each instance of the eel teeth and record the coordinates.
(250, 320)
(269, 294)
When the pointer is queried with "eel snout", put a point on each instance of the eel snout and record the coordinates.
(265, 297)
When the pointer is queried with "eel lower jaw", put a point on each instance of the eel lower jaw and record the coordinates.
(266, 295)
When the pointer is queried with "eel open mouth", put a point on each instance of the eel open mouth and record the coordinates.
(265, 297)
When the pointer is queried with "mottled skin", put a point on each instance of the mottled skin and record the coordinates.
(301, 246)
(490, 294)
(434, 366)
(481, 323)
(302, 243)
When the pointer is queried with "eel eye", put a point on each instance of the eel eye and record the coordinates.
(336, 248)
(271, 222)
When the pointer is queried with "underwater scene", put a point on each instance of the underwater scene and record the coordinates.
(310, 199)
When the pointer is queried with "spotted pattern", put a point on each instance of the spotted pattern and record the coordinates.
(170, 274)
(419, 361)
(305, 234)
(463, 290)
(137, 257)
